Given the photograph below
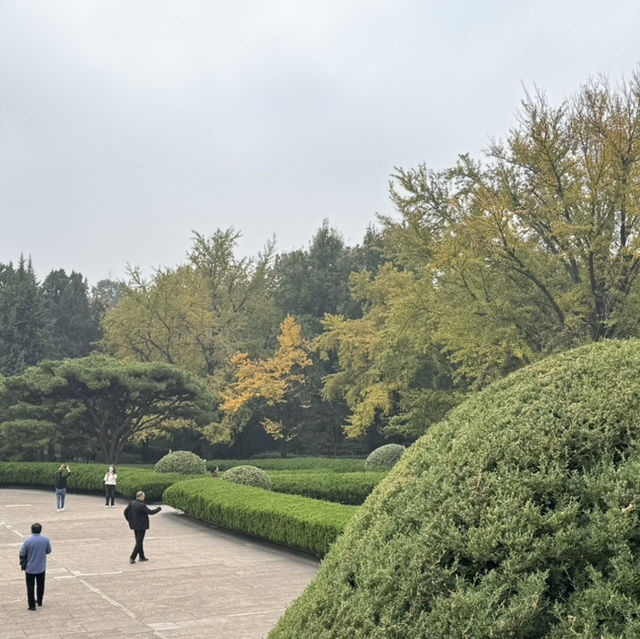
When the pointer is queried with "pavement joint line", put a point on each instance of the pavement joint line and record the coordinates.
(118, 605)
(112, 601)
(255, 612)
(13, 530)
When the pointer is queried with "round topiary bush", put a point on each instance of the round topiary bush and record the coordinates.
(384, 458)
(248, 475)
(181, 461)
(517, 516)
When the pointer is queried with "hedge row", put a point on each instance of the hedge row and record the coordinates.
(298, 522)
(343, 488)
(88, 478)
(333, 464)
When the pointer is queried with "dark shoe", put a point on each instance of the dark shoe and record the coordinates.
(132, 561)
(31, 608)
(143, 559)
(39, 603)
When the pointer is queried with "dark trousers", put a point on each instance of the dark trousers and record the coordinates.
(111, 493)
(38, 580)
(138, 549)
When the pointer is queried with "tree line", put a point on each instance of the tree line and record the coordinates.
(485, 267)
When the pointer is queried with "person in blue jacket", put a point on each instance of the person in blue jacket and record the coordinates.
(33, 559)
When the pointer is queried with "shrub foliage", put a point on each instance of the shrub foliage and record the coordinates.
(181, 461)
(343, 488)
(517, 516)
(385, 457)
(88, 478)
(335, 464)
(248, 476)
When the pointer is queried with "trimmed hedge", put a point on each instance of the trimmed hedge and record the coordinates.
(331, 464)
(517, 516)
(298, 522)
(88, 478)
(342, 488)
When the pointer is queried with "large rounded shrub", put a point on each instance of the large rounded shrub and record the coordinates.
(384, 458)
(181, 461)
(249, 476)
(517, 516)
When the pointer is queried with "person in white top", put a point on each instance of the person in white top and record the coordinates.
(110, 480)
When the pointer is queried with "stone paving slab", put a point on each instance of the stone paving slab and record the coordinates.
(200, 581)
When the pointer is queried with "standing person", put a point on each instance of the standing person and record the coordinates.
(110, 480)
(33, 559)
(137, 514)
(61, 485)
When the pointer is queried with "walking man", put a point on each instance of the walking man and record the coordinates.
(137, 514)
(33, 559)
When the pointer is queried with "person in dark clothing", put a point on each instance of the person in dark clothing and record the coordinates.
(137, 514)
(33, 559)
(61, 485)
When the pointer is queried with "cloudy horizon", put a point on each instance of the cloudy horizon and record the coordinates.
(124, 127)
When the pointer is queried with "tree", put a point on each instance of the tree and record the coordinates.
(74, 325)
(389, 372)
(107, 293)
(536, 249)
(313, 282)
(272, 380)
(111, 400)
(196, 315)
(25, 329)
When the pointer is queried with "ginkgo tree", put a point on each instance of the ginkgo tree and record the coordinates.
(197, 315)
(270, 384)
(535, 248)
(390, 373)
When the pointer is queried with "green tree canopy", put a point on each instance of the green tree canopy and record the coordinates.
(25, 328)
(536, 248)
(196, 315)
(112, 401)
(74, 325)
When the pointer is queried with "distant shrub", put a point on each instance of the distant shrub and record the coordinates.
(342, 488)
(181, 461)
(384, 458)
(248, 476)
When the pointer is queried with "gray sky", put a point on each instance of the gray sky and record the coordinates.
(126, 124)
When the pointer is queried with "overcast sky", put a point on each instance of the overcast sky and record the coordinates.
(127, 124)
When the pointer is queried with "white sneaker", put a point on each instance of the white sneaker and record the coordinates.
(58, 510)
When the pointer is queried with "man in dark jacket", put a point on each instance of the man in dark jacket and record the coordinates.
(33, 559)
(137, 514)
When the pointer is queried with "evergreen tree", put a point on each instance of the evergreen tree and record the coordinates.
(74, 325)
(25, 329)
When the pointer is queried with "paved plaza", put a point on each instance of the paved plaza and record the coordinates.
(200, 581)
